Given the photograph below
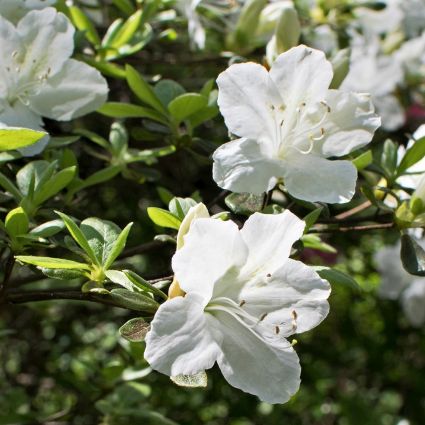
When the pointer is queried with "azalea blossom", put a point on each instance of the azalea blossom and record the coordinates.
(398, 284)
(38, 78)
(243, 298)
(14, 10)
(289, 122)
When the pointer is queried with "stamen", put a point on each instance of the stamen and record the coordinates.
(294, 320)
(277, 330)
(263, 316)
(242, 303)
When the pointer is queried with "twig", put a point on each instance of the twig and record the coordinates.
(353, 211)
(351, 228)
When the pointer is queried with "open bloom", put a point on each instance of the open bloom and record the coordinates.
(244, 297)
(289, 122)
(38, 78)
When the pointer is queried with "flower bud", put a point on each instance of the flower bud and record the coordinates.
(287, 34)
(341, 65)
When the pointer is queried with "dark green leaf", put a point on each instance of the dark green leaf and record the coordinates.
(134, 330)
(412, 256)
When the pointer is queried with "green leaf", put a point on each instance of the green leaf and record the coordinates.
(143, 284)
(412, 256)
(54, 185)
(363, 160)
(101, 235)
(389, 157)
(143, 90)
(118, 246)
(134, 300)
(98, 177)
(120, 278)
(52, 263)
(164, 194)
(95, 138)
(63, 274)
(167, 90)
(314, 242)
(15, 138)
(181, 206)
(127, 30)
(193, 381)
(163, 218)
(124, 5)
(48, 229)
(135, 329)
(31, 175)
(78, 236)
(17, 222)
(186, 105)
(412, 156)
(106, 68)
(311, 218)
(337, 277)
(127, 110)
(341, 65)
(83, 23)
(244, 203)
(8, 186)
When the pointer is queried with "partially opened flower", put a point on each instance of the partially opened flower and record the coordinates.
(38, 78)
(289, 122)
(243, 298)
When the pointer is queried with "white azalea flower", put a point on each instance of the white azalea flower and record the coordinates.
(38, 78)
(289, 122)
(396, 283)
(14, 10)
(244, 297)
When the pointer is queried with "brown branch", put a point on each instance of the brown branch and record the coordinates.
(351, 228)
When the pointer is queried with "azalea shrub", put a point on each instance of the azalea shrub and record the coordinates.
(212, 212)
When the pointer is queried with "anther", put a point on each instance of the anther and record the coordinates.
(242, 303)
(263, 316)
(268, 275)
(277, 330)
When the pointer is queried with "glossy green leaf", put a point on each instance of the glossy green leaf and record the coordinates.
(163, 218)
(412, 256)
(135, 329)
(17, 222)
(83, 23)
(127, 30)
(78, 236)
(143, 90)
(54, 185)
(118, 246)
(167, 90)
(101, 235)
(337, 277)
(127, 110)
(134, 300)
(15, 138)
(311, 218)
(186, 105)
(414, 154)
(52, 263)
(363, 160)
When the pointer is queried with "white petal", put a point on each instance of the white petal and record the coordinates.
(180, 341)
(211, 248)
(10, 43)
(75, 91)
(294, 298)
(266, 366)
(21, 116)
(350, 124)
(269, 239)
(301, 74)
(246, 97)
(391, 112)
(197, 211)
(241, 166)
(413, 301)
(312, 178)
(48, 40)
(393, 276)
